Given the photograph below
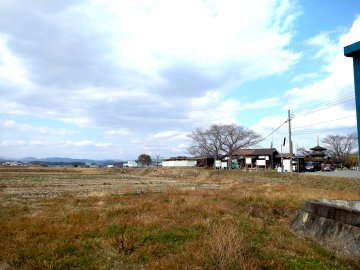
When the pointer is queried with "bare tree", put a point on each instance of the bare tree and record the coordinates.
(339, 147)
(236, 137)
(206, 142)
(221, 139)
(157, 159)
(303, 151)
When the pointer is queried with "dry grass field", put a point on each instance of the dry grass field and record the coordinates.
(160, 218)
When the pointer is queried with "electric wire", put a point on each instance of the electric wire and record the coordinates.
(312, 109)
(326, 130)
(345, 98)
(340, 99)
(272, 132)
(324, 122)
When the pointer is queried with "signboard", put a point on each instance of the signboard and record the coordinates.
(217, 163)
(248, 160)
(224, 165)
(260, 162)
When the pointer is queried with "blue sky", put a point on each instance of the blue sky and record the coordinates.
(114, 79)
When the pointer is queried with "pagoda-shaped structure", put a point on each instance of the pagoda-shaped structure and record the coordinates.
(317, 152)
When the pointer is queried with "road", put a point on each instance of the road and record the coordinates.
(345, 173)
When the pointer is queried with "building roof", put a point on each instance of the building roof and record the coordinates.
(256, 152)
(318, 148)
(288, 155)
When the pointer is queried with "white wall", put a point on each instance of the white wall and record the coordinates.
(286, 165)
(132, 164)
(179, 163)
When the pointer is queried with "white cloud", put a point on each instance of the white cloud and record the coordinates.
(261, 104)
(332, 91)
(340, 80)
(100, 53)
(327, 47)
(12, 70)
(119, 131)
(6, 143)
(39, 143)
(85, 143)
(170, 134)
(139, 69)
(10, 124)
(304, 77)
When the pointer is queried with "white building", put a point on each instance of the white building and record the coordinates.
(131, 164)
(179, 162)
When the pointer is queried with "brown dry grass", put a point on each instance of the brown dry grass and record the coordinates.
(204, 219)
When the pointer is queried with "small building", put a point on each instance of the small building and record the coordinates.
(298, 162)
(207, 162)
(131, 164)
(179, 162)
(256, 158)
(14, 163)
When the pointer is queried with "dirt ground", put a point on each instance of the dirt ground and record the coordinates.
(37, 182)
(27, 183)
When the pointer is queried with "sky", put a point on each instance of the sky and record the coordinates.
(115, 79)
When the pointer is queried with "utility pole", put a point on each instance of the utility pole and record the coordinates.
(290, 142)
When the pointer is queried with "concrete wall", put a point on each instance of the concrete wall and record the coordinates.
(335, 224)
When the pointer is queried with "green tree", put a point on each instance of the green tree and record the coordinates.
(145, 160)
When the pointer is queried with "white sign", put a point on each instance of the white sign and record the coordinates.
(224, 165)
(260, 162)
(248, 160)
(218, 163)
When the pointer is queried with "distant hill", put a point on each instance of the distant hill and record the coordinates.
(28, 159)
(62, 160)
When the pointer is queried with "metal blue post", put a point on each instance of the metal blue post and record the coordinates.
(353, 51)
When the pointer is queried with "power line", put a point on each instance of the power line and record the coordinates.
(323, 106)
(312, 131)
(324, 122)
(339, 99)
(331, 103)
(271, 133)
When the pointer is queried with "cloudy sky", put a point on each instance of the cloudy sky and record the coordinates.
(114, 79)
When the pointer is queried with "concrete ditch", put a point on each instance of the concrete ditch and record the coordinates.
(335, 224)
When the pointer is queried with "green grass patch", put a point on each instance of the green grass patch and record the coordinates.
(177, 235)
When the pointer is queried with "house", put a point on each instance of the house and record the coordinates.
(298, 162)
(265, 158)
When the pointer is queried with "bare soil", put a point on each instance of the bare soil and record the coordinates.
(37, 182)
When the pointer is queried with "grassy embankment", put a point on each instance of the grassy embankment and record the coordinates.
(172, 219)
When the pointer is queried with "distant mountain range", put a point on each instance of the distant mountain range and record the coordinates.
(60, 160)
